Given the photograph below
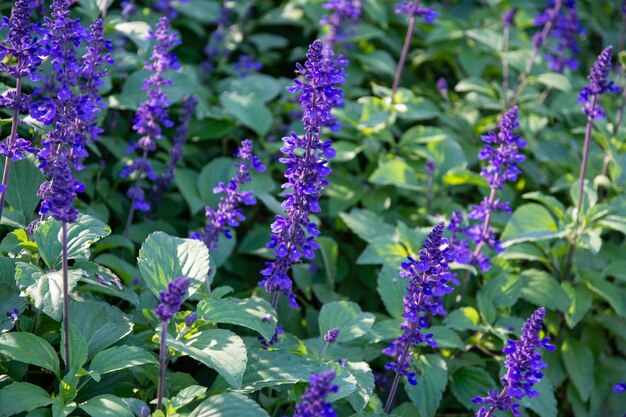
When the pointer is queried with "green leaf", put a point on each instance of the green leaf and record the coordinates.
(504, 290)
(431, 383)
(204, 11)
(78, 349)
(80, 236)
(392, 290)
(486, 307)
(20, 397)
(330, 254)
(465, 318)
(252, 313)
(554, 80)
(31, 349)
(228, 404)
(218, 349)
(9, 300)
(487, 37)
(24, 182)
(549, 201)
(446, 337)
(469, 382)
(394, 170)
(347, 316)
(579, 363)
(542, 289)
(477, 85)
(188, 395)
(136, 32)
(580, 303)
(611, 293)
(367, 225)
(100, 324)
(248, 111)
(220, 169)
(364, 387)
(544, 404)
(263, 87)
(163, 258)
(47, 292)
(106, 406)
(120, 357)
(186, 181)
(530, 223)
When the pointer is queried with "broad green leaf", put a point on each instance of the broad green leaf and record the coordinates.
(218, 349)
(263, 87)
(9, 300)
(542, 289)
(394, 170)
(204, 11)
(24, 182)
(580, 303)
(135, 31)
(31, 349)
(78, 349)
(504, 290)
(579, 363)
(549, 201)
(228, 404)
(186, 181)
(163, 258)
(544, 404)
(529, 223)
(431, 383)
(465, 318)
(20, 397)
(384, 251)
(329, 252)
(554, 80)
(446, 337)
(247, 110)
(253, 313)
(467, 383)
(80, 236)
(486, 307)
(187, 395)
(367, 225)
(488, 37)
(47, 291)
(365, 384)
(120, 357)
(347, 316)
(392, 290)
(220, 169)
(477, 85)
(106, 406)
(611, 293)
(100, 324)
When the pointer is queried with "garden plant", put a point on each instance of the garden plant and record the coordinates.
(312, 208)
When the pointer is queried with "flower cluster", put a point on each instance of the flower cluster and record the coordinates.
(215, 47)
(153, 113)
(502, 155)
(164, 181)
(413, 8)
(344, 13)
(598, 85)
(245, 66)
(509, 16)
(171, 300)
(619, 388)
(332, 335)
(165, 7)
(293, 234)
(313, 402)
(429, 279)
(228, 212)
(524, 365)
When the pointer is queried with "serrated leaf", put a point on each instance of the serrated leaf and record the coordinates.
(228, 404)
(431, 383)
(78, 349)
(100, 324)
(446, 337)
(367, 225)
(545, 403)
(20, 397)
(348, 317)
(47, 292)
(24, 182)
(397, 172)
(579, 363)
(364, 386)
(554, 80)
(542, 289)
(469, 382)
(31, 349)
(163, 258)
(106, 406)
(465, 318)
(254, 313)
(120, 357)
(247, 110)
(218, 349)
(187, 395)
(530, 223)
(392, 290)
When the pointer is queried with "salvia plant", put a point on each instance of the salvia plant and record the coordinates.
(440, 231)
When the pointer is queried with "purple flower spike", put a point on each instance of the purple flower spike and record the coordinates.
(509, 16)
(345, 14)
(247, 66)
(414, 9)
(171, 300)
(429, 279)
(190, 319)
(228, 213)
(619, 388)
(598, 85)
(313, 401)
(524, 365)
(293, 234)
(152, 115)
(331, 335)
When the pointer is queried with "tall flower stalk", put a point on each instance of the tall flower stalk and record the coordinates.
(228, 213)
(598, 85)
(313, 402)
(413, 9)
(170, 302)
(524, 365)
(429, 279)
(293, 234)
(344, 14)
(21, 46)
(152, 115)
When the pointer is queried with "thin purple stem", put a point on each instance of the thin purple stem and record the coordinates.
(14, 124)
(405, 50)
(162, 365)
(66, 300)
(581, 186)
